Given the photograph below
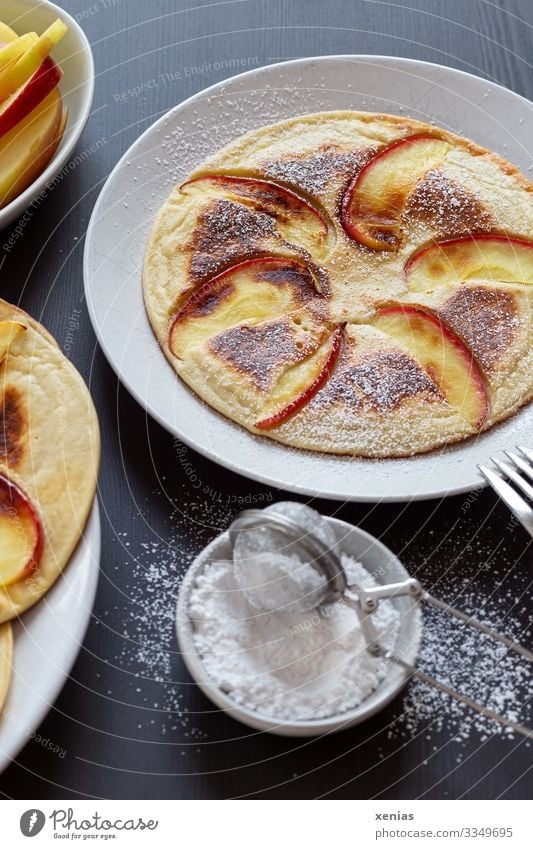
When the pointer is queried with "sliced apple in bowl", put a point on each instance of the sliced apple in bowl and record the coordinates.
(32, 118)
(443, 356)
(10, 52)
(21, 537)
(251, 292)
(7, 34)
(300, 383)
(28, 147)
(23, 101)
(373, 204)
(484, 256)
(14, 75)
(297, 221)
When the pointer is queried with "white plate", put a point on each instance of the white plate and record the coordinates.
(47, 640)
(381, 563)
(166, 153)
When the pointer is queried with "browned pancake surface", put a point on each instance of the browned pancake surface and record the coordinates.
(279, 192)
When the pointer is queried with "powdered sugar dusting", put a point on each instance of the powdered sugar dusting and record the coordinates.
(487, 320)
(470, 662)
(227, 232)
(380, 382)
(314, 172)
(148, 648)
(288, 666)
(447, 207)
(477, 667)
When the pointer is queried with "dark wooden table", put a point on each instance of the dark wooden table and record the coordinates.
(130, 720)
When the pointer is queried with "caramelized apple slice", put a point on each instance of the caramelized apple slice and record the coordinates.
(299, 383)
(297, 221)
(21, 538)
(373, 204)
(253, 291)
(485, 256)
(442, 355)
(9, 330)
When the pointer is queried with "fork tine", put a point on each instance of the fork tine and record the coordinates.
(521, 464)
(527, 452)
(509, 496)
(511, 473)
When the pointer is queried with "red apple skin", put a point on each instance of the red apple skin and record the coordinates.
(33, 92)
(460, 347)
(13, 498)
(461, 240)
(198, 296)
(292, 197)
(304, 397)
(349, 226)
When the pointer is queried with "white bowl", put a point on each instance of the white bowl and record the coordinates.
(382, 564)
(75, 56)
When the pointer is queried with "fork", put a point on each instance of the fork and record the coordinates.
(520, 472)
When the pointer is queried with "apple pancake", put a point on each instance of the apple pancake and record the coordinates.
(49, 454)
(6, 658)
(349, 283)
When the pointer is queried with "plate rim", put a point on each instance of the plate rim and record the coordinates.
(205, 451)
(92, 538)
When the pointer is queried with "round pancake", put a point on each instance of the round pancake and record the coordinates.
(49, 448)
(6, 657)
(235, 336)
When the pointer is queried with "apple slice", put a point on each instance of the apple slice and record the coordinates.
(298, 221)
(300, 383)
(373, 204)
(28, 147)
(252, 292)
(15, 75)
(21, 537)
(6, 33)
(12, 51)
(442, 355)
(485, 256)
(9, 330)
(28, 96)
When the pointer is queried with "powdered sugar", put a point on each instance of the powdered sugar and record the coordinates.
(483, 578)
(313, 172)
(278, 582)
(286, 665)
(476, 666)
(449, 208)
(271, 570)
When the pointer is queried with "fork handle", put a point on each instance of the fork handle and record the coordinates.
(516, 504)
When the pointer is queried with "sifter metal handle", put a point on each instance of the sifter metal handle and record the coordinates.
(459, 697)
(366, 601)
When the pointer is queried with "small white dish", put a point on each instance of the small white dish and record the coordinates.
(47, 640)
(75, 56)
(382, 564)
(166, 153)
